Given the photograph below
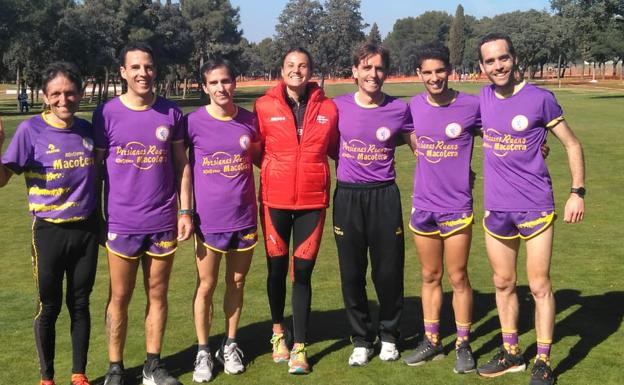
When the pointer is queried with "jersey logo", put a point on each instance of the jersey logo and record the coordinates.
(112, 236)
(383, 134)
(322, 119)
(244, 142)
(519, 123)
(52, 149)
(453, 130)
(487, 213)
(162, 133)
(277, 118)
(87, 143)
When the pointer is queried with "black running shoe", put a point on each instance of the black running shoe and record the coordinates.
(464, 361)
(156, 374)
(541, 374)
(502, 363)
(425, 351)
(115, 375)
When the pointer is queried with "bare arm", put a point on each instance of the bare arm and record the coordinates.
(184, 181)
(5, 173)
(410, 139)
(575, 205)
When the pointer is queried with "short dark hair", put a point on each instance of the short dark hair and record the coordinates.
(212, 64)
(135, 46)
(369, 49)
(492, 36)
(435, 51)
(62, 68)
(303, 51)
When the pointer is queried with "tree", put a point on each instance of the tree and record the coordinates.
(410, 33)
(299, 25)
(457, 38)
(269, 56)
(374, 36)
(341, 31)
(214, 29)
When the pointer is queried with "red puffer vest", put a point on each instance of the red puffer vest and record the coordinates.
(295, 175)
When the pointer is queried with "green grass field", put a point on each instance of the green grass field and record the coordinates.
(587, 271)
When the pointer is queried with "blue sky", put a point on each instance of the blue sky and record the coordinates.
(258, 17)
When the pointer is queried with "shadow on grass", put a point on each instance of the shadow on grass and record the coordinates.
(607, 97)
(595, 320)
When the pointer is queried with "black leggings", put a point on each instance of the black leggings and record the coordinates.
(63, 249)
(307, 229)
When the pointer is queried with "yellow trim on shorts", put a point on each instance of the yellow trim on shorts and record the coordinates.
(496, 235)
(554, 122)
(122, 255)
(36, 267)
(464, 324)
(227, 251)
(161, 255)
(550, 218)
(417, 232)
(470, 221)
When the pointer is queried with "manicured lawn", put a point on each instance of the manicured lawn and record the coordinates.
(587, 271)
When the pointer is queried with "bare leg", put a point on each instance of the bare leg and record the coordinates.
(122, 282)
(208, 262)
(156, 272)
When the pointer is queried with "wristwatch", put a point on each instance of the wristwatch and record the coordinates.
(580, 191)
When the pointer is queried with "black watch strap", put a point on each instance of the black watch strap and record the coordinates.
(580, 191)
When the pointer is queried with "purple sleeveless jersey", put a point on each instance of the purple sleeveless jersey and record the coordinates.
(444, 145)
(140, 179)
(223, 182)
(514, 128)
(58, 167)
(368, 138)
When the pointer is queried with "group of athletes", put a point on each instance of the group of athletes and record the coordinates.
(156, 195)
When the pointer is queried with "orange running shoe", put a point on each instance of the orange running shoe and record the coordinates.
(79, 379)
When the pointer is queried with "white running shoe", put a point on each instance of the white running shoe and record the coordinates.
(389, 351)
(232, 358)
(360, 356)
(203, 367)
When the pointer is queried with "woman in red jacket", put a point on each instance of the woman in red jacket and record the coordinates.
(298, 130)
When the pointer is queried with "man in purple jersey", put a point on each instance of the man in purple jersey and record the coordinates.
(54, 151)
(519, 202)
(445, 122)
(220, 136)
(367, 205)
(139, 135)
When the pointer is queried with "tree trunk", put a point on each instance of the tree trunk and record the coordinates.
(322, 79)
(100, 92)
(106, 83)
(583, 70)
(184, 89)
(114, 86)
(18, 84)
(558, 71)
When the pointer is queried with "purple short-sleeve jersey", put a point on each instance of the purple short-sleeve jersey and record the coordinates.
(58, 167)
(223, 182)
(140, 178)
(444, 145)
(515, 174)
(368, 138)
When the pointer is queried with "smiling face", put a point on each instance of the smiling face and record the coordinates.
(296, 70)
(498, 63)
(219, 86)
(63, 96)
(434, 75)
(370, 74)
(139, 71)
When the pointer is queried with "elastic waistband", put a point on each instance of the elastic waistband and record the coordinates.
(364, 186)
